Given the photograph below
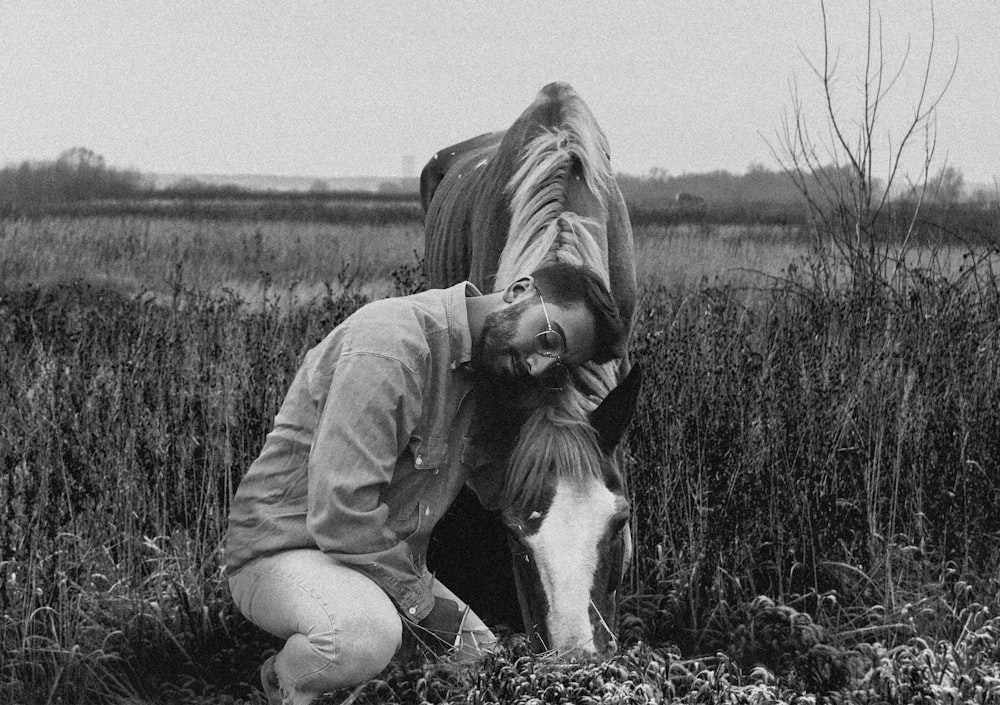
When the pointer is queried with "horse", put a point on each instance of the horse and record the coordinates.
(496, 207)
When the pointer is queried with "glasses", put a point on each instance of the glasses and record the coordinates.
(550, 343)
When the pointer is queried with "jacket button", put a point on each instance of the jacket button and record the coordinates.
(412, 610)
(418, 461)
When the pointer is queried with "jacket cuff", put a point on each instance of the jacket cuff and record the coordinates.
(414, 611)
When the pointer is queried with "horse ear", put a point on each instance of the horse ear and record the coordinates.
(611, 417)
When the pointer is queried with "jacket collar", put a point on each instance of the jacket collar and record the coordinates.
(458, 322)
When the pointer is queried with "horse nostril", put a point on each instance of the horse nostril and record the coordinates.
(578, 653)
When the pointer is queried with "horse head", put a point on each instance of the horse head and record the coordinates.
(568, 517)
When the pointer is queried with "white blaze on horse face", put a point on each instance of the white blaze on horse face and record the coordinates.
(565, 553)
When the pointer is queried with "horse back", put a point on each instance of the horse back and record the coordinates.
(455, 192)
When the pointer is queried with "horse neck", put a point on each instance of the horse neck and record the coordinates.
(558, 205)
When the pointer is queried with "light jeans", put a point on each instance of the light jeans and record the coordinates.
(340, 628)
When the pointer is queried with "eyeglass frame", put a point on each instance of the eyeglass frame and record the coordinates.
(540, 342)
(540, 339)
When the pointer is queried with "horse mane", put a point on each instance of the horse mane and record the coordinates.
(558, 437)
(552, 438)
(542, 229)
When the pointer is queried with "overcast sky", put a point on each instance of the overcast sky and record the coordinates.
(334, 88)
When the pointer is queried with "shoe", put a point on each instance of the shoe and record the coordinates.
(269, 681)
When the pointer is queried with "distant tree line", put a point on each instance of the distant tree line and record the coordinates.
(761, 185)
(941, 202)
(758, 185)
(339, 208)
(78, 174)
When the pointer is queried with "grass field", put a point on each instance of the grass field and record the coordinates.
(138, 254)
(815, 465)
(135, 254)
(300, 260)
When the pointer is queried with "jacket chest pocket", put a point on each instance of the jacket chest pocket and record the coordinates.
(430, 453)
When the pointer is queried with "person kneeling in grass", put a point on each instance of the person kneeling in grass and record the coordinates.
(328, 531)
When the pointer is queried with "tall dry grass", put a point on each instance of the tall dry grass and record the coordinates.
(127, 425)
(819, 441)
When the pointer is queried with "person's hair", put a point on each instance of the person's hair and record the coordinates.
(568, 284)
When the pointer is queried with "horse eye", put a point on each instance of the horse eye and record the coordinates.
(619, 523)
(514, 529)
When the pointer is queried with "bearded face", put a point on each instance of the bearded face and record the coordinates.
(495, 356)
(504, 390)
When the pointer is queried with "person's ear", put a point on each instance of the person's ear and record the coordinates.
(517, 288)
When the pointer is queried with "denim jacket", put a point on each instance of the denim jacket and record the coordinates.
(369, 447)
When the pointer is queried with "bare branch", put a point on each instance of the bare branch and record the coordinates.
(836, 175)
(827, 91)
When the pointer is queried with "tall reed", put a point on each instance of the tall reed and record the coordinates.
(126, 427)
(818, 440)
